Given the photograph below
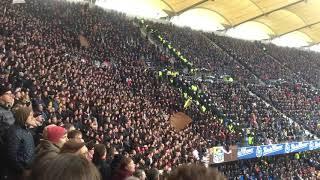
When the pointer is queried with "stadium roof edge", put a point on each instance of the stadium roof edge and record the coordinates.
(282, 16)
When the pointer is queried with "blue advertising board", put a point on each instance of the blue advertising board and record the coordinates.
(277, 149)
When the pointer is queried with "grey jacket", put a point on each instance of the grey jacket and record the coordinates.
(6, 116)
(6, 120)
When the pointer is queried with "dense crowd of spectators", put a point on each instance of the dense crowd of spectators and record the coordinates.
(304, 63)
(270, 64)
(76, 80)
(202, 52)
(256, 118)
(299, 102)
(121, 104)
(254, 57)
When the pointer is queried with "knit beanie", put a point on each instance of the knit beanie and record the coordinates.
(71, 146)
(4, 89)
(55, 133)
(45, 131)
(21, 115)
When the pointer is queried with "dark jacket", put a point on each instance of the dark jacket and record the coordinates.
(6, 116)
(104, 169)
(20, 149)
(121, 175)
(6, 120)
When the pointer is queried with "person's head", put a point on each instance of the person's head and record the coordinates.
(17, 93)
(100, 153)
(69, 127)
(153, 174)
(45, 131)
(24, 117)
(57, 135)
(74, 147)
(112, 152)
(40, 107)
(75, 135)
(140, 174)
(90, 145)
(195, 172)
(69, 167)
(127, 164)
(6, 96)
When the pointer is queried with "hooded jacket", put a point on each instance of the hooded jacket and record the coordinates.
(46, 146)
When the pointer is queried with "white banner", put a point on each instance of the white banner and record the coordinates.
(18, 1)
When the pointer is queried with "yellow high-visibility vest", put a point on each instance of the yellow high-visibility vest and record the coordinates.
(187, 103)
(203, 108)
(194, 88)
(250, 140)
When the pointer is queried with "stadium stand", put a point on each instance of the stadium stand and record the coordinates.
(67, 66)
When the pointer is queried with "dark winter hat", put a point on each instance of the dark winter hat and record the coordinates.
(4, 89)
